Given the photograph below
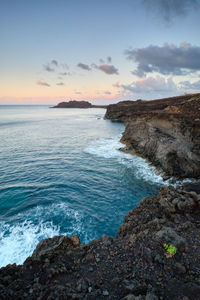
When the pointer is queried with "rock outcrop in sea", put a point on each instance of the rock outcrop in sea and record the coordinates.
(134, 265)
(77, 104)
(165, 131)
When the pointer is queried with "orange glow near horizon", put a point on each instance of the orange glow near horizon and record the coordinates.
(55, 97)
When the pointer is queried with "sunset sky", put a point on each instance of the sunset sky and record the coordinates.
(102, 51)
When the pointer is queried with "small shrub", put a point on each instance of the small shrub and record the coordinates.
(170, 250)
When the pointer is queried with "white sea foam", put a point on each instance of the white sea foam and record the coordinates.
(17, 242)
(109, 148)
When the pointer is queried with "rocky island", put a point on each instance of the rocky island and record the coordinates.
(77, 104)
(165, 131)
(156, 252)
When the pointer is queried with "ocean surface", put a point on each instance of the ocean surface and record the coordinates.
(61, 173)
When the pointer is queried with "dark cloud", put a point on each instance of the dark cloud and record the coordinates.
(60, 83)
(84, 67)
(109, 59)
(168, 59)
(108, 69)
(190, 86)
(39, 82)
(169, 9)
(54, 62)
(101, 61)
(51, 66)
(48, 68)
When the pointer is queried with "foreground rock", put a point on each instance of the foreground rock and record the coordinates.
(77, 104)
(131, 266)
(165, 131)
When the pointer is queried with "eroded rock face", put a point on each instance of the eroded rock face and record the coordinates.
(168, 142)
(166, 132)
(132, 265)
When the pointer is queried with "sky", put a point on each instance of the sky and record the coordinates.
(100, 51)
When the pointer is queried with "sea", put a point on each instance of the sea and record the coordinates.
(61, 172)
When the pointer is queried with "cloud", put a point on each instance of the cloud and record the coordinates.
(60, 83)
(78, 93)
(39, 82)
(150, 84)
(64, 66)
(168, 59)
(108, 59)
(117, 84)
(149, 88)
(54, 62)
(84, 67)
(107, 93)
(169, 9)
(190, 86)
(48, 68)
(65, 73)
(108, 69)
(51, 66)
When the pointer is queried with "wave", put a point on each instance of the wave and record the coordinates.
(109, 148)
(18, 241)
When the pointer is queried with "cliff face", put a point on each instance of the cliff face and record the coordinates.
(134, 265)
(166, 131)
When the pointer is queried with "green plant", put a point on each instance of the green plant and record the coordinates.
(170, 250)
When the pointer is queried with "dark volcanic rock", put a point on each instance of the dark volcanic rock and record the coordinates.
(165, 131)
(77, 104)
(74, 104)
(132, 265)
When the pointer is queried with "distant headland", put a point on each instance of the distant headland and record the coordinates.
(78, 104)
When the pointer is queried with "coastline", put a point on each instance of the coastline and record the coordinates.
(131, 266)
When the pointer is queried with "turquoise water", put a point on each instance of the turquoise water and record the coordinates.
(61, 173)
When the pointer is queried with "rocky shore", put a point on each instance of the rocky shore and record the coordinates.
(165, 131)
(134, 265)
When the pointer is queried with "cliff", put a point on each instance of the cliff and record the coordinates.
(134, 265)
(165, 131)
(77, 104)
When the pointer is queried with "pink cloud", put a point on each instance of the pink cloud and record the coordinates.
(39, 82)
